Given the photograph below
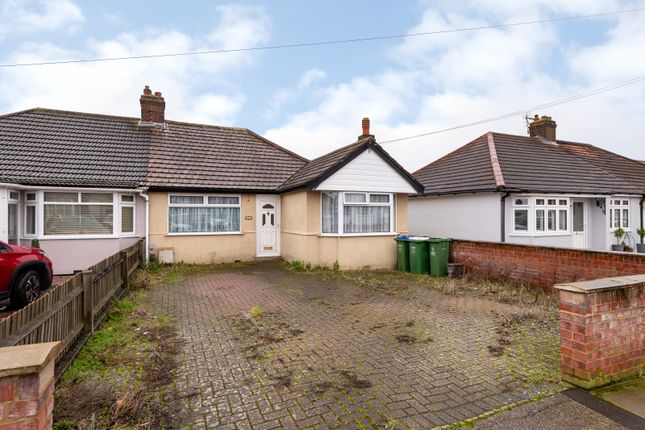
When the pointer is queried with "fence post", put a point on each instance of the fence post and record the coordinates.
(124, 270)
(88, 300)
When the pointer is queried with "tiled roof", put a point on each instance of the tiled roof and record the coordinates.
(319, 169)
(210, 157)
(468, 168)
(530, 164)
(59, 148)
(49, 147)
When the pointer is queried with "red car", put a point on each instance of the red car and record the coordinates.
(24, 273)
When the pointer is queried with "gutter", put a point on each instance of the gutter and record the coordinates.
(502, 201)
(50, 188)
(146, 197)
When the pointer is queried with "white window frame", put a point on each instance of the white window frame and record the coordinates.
(204, 205)
(133, 205)
(342, 203)
(621, 204)
(545, 203)
(14, 201)
(34, 204)
(115, 214)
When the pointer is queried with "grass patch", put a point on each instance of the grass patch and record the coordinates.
(123, 376)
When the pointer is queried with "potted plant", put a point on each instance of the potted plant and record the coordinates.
(640, 247)
(35, 243)
(619, 246)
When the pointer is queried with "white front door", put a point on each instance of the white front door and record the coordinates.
(268, 226)
(579, 224)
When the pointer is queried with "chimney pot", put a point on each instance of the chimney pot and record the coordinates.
(366, 127)
(152, 107)
(543, 127)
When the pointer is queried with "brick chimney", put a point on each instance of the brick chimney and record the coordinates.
(543, 127)
(152, 107)
(366, 129)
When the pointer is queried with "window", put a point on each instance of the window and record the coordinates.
(359, 213)
(203, 214)
(619, 214)
(30, 220)
(521, 215)
(540, 215)
(72, 213)
(127, 214)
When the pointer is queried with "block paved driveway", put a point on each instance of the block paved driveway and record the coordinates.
(334, 354)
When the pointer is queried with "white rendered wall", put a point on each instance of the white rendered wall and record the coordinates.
(462, 216)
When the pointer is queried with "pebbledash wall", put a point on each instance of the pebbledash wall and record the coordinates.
(541, 266)
(602, 330)
(302, 239)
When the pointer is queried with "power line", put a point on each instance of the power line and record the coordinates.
(320, 43)
(523, 111)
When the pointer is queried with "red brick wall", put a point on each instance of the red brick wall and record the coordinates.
(27, 401)
(541, 266)
(602, 335)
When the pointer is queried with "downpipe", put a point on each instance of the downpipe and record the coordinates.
(503, 214)
(145, 197)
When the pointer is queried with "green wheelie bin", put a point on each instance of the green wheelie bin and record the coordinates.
(439, 253)
(402, 254)
(419, 260)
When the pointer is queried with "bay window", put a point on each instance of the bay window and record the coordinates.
(203, 214)
(619, 214)
(357, 213)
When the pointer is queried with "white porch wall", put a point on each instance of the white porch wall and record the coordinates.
(463, 216)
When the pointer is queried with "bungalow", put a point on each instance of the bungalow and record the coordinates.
(88, 185)
(532, 189)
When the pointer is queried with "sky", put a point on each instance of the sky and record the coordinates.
(312, 99)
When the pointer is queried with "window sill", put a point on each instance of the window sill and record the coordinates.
(358, 235)
(76, 237)
(550, 234)
(224, 233)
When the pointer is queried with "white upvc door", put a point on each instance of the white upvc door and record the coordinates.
(579, 223)
(268, 226)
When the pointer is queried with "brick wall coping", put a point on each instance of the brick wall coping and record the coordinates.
(26, 359)
(554, 248)
(604, 284)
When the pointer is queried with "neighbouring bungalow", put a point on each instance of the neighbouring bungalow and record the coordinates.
(88, 185)
(532, 189)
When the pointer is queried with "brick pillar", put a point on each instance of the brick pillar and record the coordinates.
(27, 386)
(602, 330)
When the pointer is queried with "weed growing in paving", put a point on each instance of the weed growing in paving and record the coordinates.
(256, 311)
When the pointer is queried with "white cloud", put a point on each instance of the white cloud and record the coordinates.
(306, 87)
(19, 17)
(436, 82)
(114, 87)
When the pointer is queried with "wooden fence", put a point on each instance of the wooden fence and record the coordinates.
(72, 309)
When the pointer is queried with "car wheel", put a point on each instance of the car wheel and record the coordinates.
(27, 289)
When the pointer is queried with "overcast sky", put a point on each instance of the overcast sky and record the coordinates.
(312, 99)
